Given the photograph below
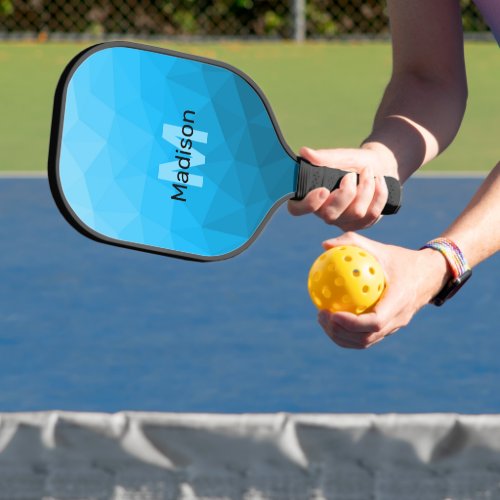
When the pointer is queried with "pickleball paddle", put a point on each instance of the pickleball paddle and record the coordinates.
(171, 153)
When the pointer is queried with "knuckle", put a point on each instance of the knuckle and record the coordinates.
(330, 219)
(374, 338)
(358, 211)
(366, 177)
(369, 222)
(382, 185)
(373, 213)
(378, 325)
(345, 227)
(349, 190)
(329, 215)
(365, 343)
(348, 185)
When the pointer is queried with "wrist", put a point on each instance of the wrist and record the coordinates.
(437, 272)
(386, 157)
(457, 266)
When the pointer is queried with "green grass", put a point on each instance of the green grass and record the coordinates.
(323, 94)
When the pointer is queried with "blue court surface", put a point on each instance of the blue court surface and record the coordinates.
(90, 327)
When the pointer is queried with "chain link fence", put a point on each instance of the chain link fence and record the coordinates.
(206, 18)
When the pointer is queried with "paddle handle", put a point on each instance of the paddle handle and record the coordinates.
(312, 177)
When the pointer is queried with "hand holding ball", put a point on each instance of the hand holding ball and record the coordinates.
(346, 278)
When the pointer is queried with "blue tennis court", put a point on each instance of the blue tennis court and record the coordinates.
(90, 327)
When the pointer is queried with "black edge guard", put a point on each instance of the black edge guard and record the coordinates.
(312, 177)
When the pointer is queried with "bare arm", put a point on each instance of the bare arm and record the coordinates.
(424, 102)
(418, 117)
(477, 230)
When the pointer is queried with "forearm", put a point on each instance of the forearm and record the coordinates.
(424, 103)
(416, 120)
(477, 230)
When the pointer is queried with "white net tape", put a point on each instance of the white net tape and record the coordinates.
(160, 456)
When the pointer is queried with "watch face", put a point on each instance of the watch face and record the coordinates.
(451, 288)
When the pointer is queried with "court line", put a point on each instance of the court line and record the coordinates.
(23, 174)
(452, 174)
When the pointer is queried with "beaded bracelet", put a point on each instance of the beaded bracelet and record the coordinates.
(452, 254)
(460, 269)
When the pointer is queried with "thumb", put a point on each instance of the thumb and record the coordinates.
(339, 157)
(311, 155)
(349, 238)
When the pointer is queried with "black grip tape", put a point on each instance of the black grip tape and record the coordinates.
(312, 177)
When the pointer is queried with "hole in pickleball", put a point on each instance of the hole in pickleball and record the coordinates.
(339, 281)
(359, 310)
(379, 287)
(356, 273)
(366, 289)
(317, 276)
(326, 292)
(346, 299)
(372, 270)
(336, 306)
(363, 254)
(348, 258)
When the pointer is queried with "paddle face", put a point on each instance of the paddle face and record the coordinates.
(164, 152)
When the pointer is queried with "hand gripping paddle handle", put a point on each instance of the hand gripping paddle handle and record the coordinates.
(312, 177)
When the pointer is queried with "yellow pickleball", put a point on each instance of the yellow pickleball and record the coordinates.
(346, 278)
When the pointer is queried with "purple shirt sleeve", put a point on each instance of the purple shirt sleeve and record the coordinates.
(490, 9)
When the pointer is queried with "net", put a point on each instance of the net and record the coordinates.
(153, 456)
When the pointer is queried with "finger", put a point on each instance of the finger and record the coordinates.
(338, 201)
(362, 324)
(385, 317)
(392, 310)
(372, 343)
(365, 191)
(338, 334)
(348, 338)
(345, 344)
(380, 195)
(311, 203)
(310, 155)
(375, 339)
(353, 219)
(341, 340)
(354, 341)
(362, 340)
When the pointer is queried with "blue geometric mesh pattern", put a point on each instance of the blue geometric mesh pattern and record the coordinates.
(118, 162)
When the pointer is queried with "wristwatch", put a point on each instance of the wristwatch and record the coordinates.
(460, 270)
